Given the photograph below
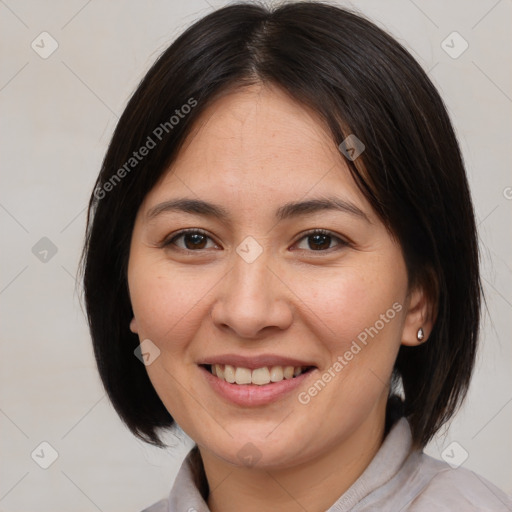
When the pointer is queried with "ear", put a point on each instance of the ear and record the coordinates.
(133, 326)
(419, 315)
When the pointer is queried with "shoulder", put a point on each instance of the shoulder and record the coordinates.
(447, 489)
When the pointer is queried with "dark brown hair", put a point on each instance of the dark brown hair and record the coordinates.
(360, 81)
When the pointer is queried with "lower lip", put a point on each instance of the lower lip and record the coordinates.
(248, 395)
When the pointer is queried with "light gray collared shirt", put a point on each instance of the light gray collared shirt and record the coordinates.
(398, 479)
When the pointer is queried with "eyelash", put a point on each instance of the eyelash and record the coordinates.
(170, 241)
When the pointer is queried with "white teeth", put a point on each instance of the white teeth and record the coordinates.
(243, 376)
(229, 373)
(276, 373)
(288, 372)
(261, 376)
(219, 371)
(258, 376)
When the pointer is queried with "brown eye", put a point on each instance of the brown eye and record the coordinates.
(320, 240)
(192, 240)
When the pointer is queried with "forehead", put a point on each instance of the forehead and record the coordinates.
(257, 146)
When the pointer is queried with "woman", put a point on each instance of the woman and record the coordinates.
(281, 259)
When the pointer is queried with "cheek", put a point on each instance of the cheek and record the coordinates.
(352, 302)
(168, 310)
(166, 305)
(356, 314)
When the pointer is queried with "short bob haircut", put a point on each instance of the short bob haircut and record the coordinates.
(360, 81)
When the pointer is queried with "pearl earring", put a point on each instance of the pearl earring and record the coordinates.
(420, 334)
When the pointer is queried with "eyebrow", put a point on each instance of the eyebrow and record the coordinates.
(286, 211)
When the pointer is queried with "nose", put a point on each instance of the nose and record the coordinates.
(252, 298)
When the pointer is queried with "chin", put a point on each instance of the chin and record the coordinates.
(264, 447)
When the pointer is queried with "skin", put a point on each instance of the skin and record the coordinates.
(252, 151)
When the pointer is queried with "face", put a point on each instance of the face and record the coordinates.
(290, 272)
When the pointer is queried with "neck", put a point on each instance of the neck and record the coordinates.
(314, 485)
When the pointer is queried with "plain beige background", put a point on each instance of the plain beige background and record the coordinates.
(58, 114)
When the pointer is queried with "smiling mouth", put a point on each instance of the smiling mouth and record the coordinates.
(258, 376)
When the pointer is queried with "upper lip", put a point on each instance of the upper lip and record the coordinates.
(253, 362)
